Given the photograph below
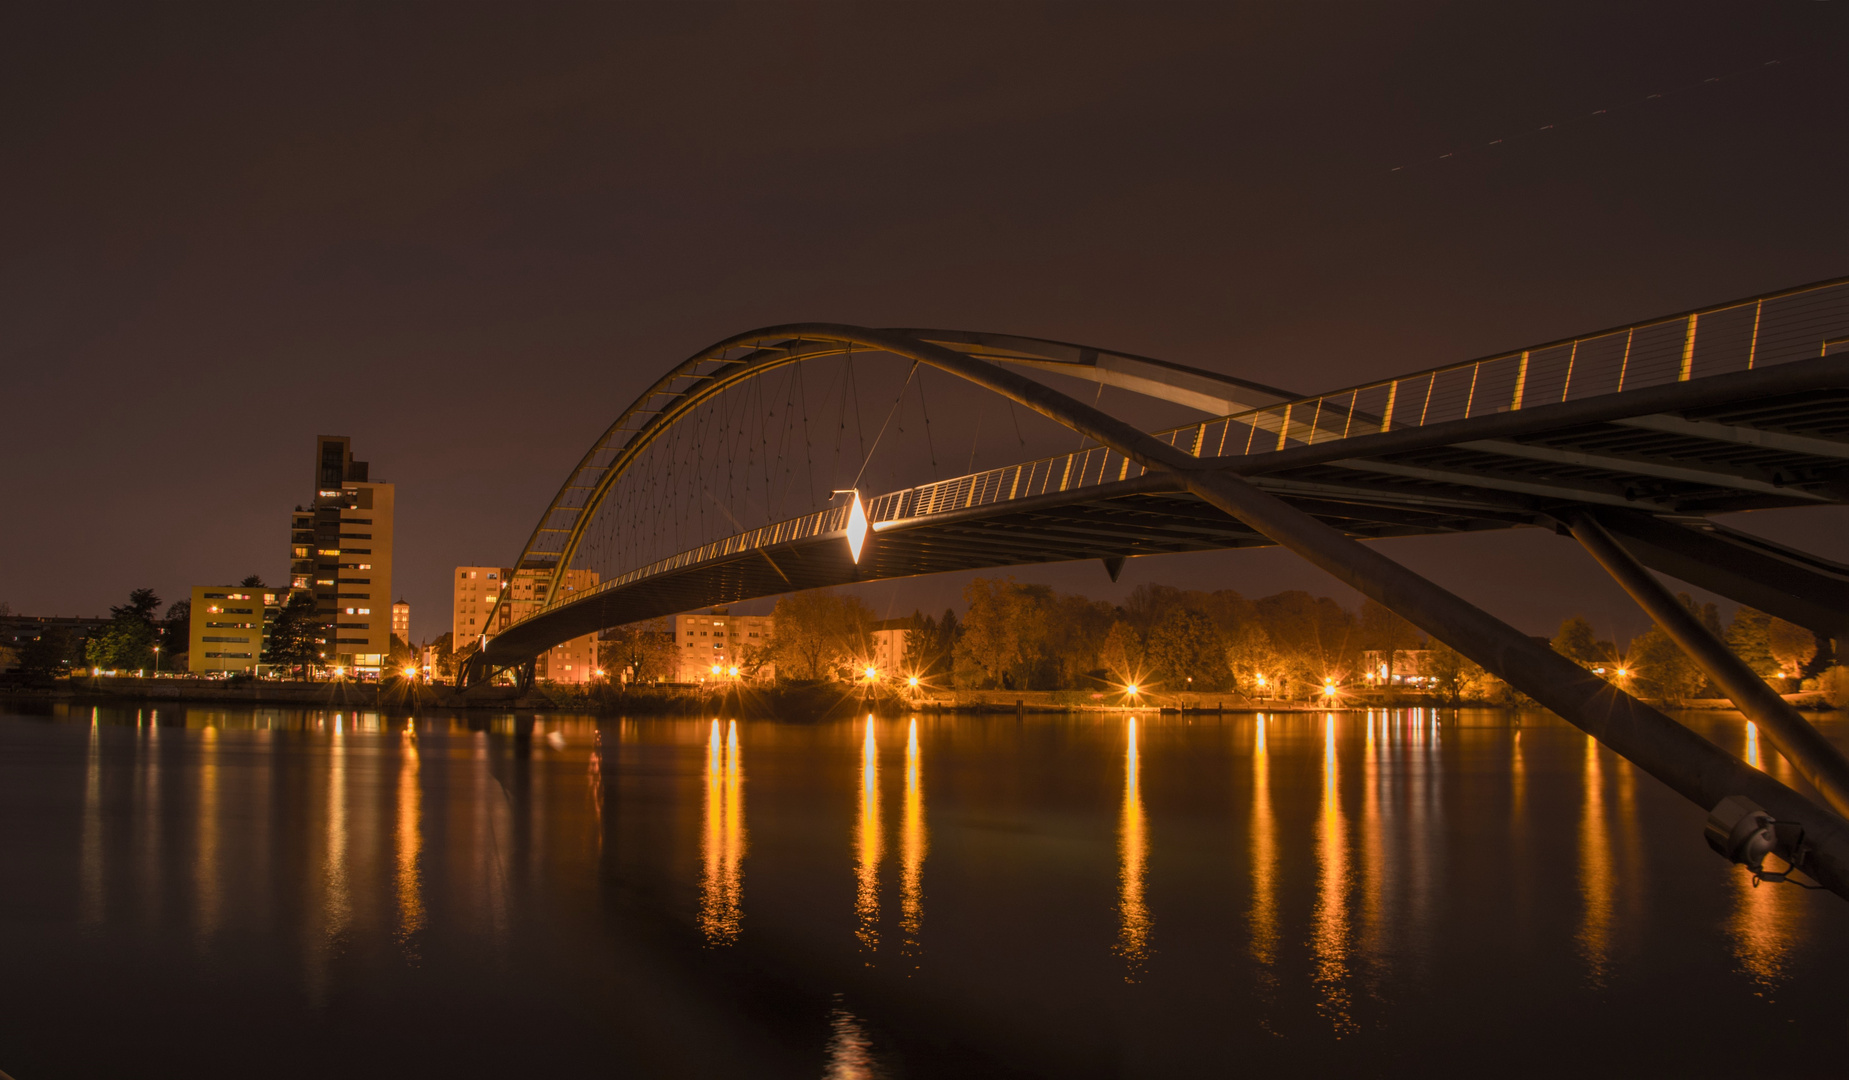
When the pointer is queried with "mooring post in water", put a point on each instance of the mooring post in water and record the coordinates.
(1815, 757)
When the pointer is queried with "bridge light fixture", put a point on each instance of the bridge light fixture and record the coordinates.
(856, 527)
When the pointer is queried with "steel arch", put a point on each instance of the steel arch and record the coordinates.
(735, 360)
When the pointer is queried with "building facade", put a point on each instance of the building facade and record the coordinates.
(230, 624)
(711, 645)
(888, 641)
(341, 552)
(401, 621)
(477, 590)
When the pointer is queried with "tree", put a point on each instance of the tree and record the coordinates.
(295, 637)
(252, 581)
(1004, 633)
(176, 632)
(1313, 636)
(1792, 647)
(1576, 641)
(818, 632)
(1251, 658)
(400, 655)
(1186, 645)
(1660, 669)
(644, 652)
(1386, 631)
(1451, 672)
(1122, 652)
(127, 643)
(1749, 636)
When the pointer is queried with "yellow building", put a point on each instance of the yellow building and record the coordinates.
(401, 621)
(477, 588)
(711, 645)
(229, 627)
(341, 551)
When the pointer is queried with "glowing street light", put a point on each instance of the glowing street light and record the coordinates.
(872, 673)
(716, 669)
(1328, 687)
(410, 673)
(732, 671)
(912, 681)
(339, 672)
(1130, 689)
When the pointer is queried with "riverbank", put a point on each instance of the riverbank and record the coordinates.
(788, 700)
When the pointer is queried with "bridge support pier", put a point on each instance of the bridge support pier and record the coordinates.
(1815, 758)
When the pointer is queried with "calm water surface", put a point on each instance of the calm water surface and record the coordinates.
(234, 893)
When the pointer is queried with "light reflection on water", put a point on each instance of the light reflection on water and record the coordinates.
(1133, 855)
(723, 843)
(1329, 933)
(868, 845)
(1376, 856)
(912, 845)
(1595, 871)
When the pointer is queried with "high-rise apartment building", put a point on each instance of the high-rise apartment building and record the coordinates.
(477, 589)
(341, 551)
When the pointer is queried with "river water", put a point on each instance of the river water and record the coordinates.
(231, 893)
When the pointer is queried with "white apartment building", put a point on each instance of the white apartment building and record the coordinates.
(711, 645)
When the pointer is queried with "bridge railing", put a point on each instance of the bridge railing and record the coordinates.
(1739, 336)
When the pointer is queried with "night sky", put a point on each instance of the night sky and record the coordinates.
(469, 235)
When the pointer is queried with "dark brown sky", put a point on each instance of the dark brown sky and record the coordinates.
(468, 235)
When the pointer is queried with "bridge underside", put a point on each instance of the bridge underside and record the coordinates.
(1777, 437)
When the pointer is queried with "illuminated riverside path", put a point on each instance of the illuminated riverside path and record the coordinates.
(1349, 893)
(1628, 439)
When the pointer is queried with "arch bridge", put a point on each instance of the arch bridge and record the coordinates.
(1630, 439)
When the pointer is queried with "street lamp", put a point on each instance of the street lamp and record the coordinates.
(912, 682)
(872, 673)
(157, 661)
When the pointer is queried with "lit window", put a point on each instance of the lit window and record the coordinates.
(327, 551)
(324, 581)
(214, 609)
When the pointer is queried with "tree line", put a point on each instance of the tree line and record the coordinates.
(1290, 644)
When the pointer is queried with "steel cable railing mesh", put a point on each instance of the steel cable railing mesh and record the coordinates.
(1741, 336)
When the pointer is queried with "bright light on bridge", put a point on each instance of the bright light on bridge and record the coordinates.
(857, 532)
